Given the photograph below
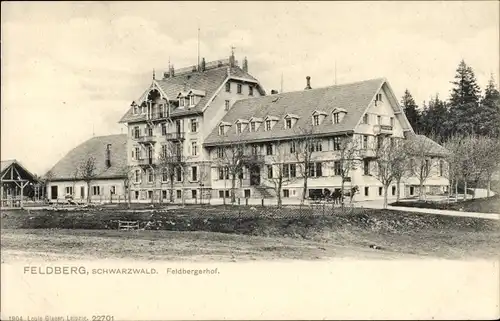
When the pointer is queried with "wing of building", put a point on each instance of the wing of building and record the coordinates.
(66, 177)
(16, 183)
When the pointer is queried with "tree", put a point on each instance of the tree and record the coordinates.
(390, 160)
(304, 147)
(279, 174)
(491, 161)
(231, 160)
(171, 164)
(435, 119)
(411, 111)
(465, 111)
(87, 171)
(129, 172)
(421, 150)
(455, 161)
(46, 179)
(348, 148)
(490, 105)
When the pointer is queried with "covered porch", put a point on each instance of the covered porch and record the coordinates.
(17, 184)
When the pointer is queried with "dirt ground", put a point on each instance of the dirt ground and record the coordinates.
(57, 244)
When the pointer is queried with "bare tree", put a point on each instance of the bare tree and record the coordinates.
(88, 173)
(231, 158)
(491, 161)
(390, 158)
(305, 145)
(455, 161)
(128, 177)
(279, 174)
(421, 151)
(171, 164)
(349, 149)
(46, 179)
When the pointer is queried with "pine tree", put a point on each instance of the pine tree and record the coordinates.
(411, 111)
(490, 106)
(465, 111)
(435, 119)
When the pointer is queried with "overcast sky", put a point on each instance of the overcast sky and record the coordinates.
(71, 69)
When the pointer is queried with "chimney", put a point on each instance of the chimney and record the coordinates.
(308, 86)
(203, 64)
(245, 65)
(172, 71)
(274, 91)
(108, 155)
(232, 61)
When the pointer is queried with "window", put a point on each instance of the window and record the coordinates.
(151, 176)
(181, 102)
(268, 125)
(221, 130)
(194, 148)
(316, 147)
(220, 152)
(427, 165)
(136, 194)
(164, 194)
(194, 173)
(164, 129)
(365, 119)
(337, 168)
(150, 194)
(365, 142)
(319, 167)
(221, 173)
(366, 190)
(286, 170)
(336, 118)
(288, 123)
(336, 143)
(378, 120)
(380, 141)
(221, 194)
(255, 150)
(378, 97)
(178, 174)
(393, 190)
(269, 149)
(178, 193)
(250, 90)
(194, 125)
(137, 176)
(286, 193)
(380, 190)
(193, 193)
(149, 131)
(316, 120)
(82, 192)
(440, 168)
(226, 105)
(392, 121)
(366, 167)
(293, 170)
(69, 190)
(247, 193)
(191, 100)
(315, 169)
(136, 132)
(239, 88)
(238, 128)
(228, 87)
(164, 176)
(252, 126)
(269, 171)
(96, 190)
(112, 190)
(292, 147)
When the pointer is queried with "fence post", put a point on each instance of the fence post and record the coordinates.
(262, 201)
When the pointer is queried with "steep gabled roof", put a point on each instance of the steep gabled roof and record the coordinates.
(6, 164)
(95, 147)
(354, 98)
(207, 82)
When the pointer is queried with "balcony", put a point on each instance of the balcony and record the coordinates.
(145, 161)
(253, 159)
(175, 136)
(382, 129)
(175, 159)
(145, 139)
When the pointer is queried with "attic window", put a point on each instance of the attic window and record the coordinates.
(315, 120)
(181, 102)
(191, 100)
(378, 97)
(338, 115)
(250, 90)
(238, 128)
(365, 119)
(268, 125)
(288, 123)
(252, 126)
(221, 130)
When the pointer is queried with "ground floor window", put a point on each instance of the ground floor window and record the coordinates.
(380, 190)
(150, 194)
(223, 193)
(69, 190)
(286, 193)
(412, 190)
(179, 193)
(193, 193)
(136, 195)
(366, 190)
(394, 190)
(247, 193)
(163, 194)
(112, 190)
(82, 192)
(96, 190)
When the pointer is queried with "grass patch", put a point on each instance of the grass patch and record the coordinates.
(480, 205)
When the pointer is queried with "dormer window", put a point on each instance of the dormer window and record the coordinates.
(221, 130)
(191, 100)
(268, 125)
(252, 126)
(338, 114)
(290, 120)
(288, 123)
(316, 120)
(238, 128)
(181, 102)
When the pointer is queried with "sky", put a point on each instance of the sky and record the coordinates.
(71, 69)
